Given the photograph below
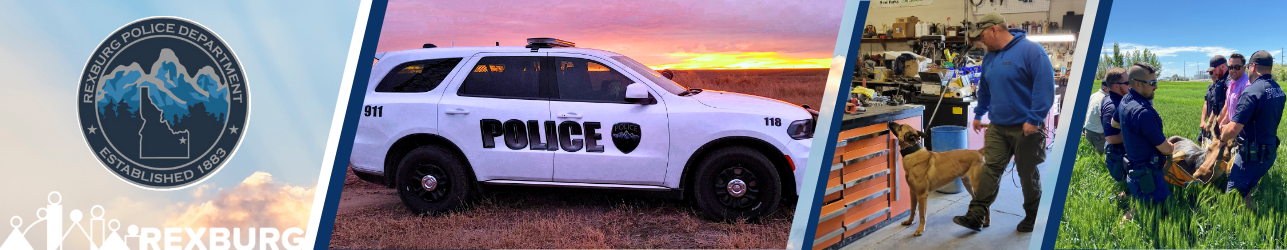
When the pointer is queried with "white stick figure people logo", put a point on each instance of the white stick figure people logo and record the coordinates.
(52, 216)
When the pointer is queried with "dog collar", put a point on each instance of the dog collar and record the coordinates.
(909, 150)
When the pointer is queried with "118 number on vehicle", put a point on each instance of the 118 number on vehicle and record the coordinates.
(770, 121)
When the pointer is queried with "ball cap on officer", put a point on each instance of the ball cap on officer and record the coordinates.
(1262, 59)
(1216, 61)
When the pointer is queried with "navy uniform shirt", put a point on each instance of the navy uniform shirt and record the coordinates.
(1141, 128)
(1215, 96)
(1259, 109)
(1108, 112)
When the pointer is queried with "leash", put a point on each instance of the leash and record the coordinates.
(1014, 164)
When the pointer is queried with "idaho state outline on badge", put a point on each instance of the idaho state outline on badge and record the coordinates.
(163, 103)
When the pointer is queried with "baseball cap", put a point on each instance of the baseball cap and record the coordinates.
(1262, 58)
(987, 21)
(1216, 61)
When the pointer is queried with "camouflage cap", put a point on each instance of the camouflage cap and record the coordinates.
(986, 21)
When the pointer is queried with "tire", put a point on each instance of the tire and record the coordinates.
(715, 174)
(452, 183)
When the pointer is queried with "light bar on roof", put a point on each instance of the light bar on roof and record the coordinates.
(1052, 38)
(545, 42)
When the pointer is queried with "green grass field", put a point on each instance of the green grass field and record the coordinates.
(1197, 216)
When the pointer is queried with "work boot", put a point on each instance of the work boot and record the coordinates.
(1029, 218)
(968, 223)
(1026, 224)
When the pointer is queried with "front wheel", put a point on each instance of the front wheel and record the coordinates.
(431, 180)
(737, 182)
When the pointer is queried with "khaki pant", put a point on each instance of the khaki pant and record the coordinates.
(1001, 143)
(1095, 139)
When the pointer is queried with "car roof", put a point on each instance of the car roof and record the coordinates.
(414, 54)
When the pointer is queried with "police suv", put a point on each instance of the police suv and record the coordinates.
(441, 123)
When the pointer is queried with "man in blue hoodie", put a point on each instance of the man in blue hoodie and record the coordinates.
(1017, 86)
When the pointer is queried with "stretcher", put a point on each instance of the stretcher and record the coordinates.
(1212, 169)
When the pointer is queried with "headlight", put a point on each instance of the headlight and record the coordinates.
(801, 129)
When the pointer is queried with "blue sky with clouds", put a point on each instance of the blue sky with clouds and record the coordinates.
(1190, 32)
(293, 53)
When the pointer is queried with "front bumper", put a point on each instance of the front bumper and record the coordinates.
(798, 150)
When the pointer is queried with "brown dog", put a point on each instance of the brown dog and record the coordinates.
(927, 171)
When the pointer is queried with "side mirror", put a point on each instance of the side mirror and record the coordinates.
(638, 93)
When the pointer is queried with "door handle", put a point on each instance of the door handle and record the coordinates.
(570, 115)
(457, 111)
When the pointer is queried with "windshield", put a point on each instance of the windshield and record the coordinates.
(670, 86)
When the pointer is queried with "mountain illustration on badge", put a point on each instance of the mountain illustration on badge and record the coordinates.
(163, 103)
(626, 136)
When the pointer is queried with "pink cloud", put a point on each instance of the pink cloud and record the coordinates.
(645, 30)
(257, 201)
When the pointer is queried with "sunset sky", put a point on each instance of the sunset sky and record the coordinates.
(660, 34)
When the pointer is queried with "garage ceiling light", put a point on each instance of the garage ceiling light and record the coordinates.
(1052, 38)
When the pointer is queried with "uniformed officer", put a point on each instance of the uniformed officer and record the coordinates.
(1146, 146)
(1114, 153)
(1018, 86)
(1255, 123)
(1214, 99)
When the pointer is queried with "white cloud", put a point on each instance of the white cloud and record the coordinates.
(255, 202)
(1170, 51)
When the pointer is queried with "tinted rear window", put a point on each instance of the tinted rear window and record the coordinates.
(417, 76)
(504, 77)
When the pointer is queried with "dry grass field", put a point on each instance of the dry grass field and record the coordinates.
(799, 86)
(372, 217)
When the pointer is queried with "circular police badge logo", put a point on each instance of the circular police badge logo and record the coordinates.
(163, 103)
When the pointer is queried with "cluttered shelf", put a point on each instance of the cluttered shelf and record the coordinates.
(958, 39)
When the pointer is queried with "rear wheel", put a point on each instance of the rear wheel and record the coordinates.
(737, 182)
(431, 180)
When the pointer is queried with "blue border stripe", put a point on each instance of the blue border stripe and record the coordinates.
(846, 80)
(357, 97)
(1078, 120)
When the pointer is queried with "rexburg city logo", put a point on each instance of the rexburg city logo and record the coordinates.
(163, 102)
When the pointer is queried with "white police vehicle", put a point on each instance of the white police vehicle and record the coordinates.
(441, 123)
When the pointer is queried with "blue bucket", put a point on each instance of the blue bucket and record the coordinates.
(948, 138)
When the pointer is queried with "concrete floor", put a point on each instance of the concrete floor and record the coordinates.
(941, 232)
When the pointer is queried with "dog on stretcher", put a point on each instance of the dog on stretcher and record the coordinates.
(1200, 161)
(927, 170)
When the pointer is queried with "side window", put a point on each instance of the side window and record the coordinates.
(417, 76)
(504, 77)
(588, 80)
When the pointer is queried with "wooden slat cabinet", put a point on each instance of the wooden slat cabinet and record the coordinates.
(865, 185)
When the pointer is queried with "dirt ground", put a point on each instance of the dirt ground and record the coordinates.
(371, 216)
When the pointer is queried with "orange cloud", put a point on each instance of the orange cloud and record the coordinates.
(256, 202)
(746, 60)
